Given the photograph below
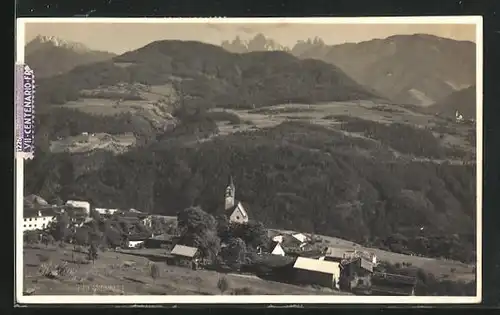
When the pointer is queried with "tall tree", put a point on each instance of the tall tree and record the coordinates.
(199, 229)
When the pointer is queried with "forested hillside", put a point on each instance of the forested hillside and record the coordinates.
(209, 76)
(294, 176)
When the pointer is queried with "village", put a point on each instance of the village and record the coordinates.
(289, 257)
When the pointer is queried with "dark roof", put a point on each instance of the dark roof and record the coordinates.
(383, 278)
(131, 214)
(335, 252)
(45, 212)
(163, 237)
(137, 238)
(34, 200)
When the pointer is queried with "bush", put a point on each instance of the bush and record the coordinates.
(223, 284)
(43, 258)
(154, 271)
(51, 270)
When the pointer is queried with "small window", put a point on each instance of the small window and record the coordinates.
(30, 225)
(237, 217)
(24, 225)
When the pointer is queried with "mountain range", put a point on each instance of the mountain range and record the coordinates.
(49, 55)
(359, 168)
(207, 75)
(415, 69)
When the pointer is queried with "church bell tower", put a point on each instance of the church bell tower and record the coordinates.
(229, 195)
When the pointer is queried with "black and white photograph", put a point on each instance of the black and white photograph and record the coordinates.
(250, 160)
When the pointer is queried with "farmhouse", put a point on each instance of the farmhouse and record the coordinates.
(355, 275)
(334, 254)
(79, 204)
(236, 212)
(37, 220)
(160, 241)
(318, 272)
(289, 242)
(184, 255)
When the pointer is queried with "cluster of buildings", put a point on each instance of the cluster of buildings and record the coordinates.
(38, 213)
(336, 268)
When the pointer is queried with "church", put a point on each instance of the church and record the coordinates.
(234, 209)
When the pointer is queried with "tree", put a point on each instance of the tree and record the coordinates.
(93, 254)
(254, 234)
(60, 228)
(199, 229)
(235, 252)
(223, 285)
(154, 271)
(223, 230)
(82, 236)
(56, 201)
(31, 237)
(47, 239)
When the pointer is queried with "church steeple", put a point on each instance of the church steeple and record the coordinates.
(229, 195)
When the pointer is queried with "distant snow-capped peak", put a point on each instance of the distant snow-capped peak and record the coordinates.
(58, 42)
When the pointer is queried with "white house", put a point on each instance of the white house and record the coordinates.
(36, 220)
(300, 237)
(278, 239)
(79, 204)
(278, 250)
(135, 244)
(105, 211)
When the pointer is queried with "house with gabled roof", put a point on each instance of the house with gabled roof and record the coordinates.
(278, 250)
(316, 272)
(355, 275)
(184, 251)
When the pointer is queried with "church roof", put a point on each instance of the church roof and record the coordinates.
(239, 206)
(231, 182)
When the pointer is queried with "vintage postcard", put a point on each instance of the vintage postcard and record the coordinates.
(255, 160)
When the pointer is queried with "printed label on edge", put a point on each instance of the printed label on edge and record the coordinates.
(25, 112)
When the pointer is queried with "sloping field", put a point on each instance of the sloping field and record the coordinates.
(85, 143)
(124, 274)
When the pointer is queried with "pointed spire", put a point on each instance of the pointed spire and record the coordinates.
(231, 183)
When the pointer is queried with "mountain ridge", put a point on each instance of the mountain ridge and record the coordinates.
(49, 55)
(389, 65)
(208, 75)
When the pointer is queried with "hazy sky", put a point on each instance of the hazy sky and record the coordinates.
(121, 37)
